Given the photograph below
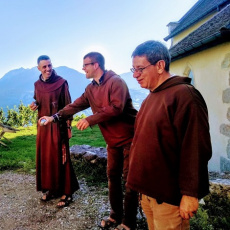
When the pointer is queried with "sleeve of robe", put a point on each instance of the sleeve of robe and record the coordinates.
(78, 105)
(192, 128)
(66, 100)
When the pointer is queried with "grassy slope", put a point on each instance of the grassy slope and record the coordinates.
(20, 155)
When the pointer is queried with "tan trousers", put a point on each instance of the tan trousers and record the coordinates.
(162, 216)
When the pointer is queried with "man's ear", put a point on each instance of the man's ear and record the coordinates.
(160, 66)
(38, 68)
(96, 65)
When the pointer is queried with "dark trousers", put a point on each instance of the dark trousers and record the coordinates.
(117, 167)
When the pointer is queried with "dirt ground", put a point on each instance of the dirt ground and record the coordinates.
(21, 208)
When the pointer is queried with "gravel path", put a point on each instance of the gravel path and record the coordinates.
(21, 208)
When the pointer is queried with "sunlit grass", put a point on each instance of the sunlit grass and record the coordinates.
(90, 136)
(20, 155)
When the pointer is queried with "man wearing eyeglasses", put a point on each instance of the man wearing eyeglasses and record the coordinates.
(171, 146)
(110, 101)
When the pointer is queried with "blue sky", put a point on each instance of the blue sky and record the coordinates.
(67, 30)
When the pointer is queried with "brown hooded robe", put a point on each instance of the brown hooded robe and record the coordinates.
(51, 96)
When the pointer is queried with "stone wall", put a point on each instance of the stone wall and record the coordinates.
(225, 128)
(94, 155)
(219, 182)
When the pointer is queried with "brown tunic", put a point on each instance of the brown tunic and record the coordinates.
(171, 146)
(52, 174)
(112, 108)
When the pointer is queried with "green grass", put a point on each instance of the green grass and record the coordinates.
(21, 152)
(90, 136)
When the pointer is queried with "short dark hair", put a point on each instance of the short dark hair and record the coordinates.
(153, 51)
(43, 57)
(97, 58)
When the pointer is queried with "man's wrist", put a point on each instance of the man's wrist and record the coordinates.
(55, 117)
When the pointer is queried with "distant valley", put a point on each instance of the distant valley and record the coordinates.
(18, 86)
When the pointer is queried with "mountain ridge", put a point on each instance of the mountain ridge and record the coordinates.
(17, 86)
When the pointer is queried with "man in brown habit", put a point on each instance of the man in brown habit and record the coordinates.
(54, 172)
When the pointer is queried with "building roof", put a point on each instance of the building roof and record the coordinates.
(200, 10)
(215, 31)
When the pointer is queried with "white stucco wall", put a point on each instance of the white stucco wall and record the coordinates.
(211, 79)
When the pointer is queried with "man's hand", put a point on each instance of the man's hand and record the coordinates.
(188, 206)
(48, 120)
(82, 124)
(33, 106)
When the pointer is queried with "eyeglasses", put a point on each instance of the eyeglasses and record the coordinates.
(139, 70)
(84, 65)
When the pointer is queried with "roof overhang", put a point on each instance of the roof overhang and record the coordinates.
(218, 38)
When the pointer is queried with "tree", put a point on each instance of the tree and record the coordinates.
(20, 115)
(2, 116)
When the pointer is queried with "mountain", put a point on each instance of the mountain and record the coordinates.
(131, 81)
(137, 93)
(18, 86)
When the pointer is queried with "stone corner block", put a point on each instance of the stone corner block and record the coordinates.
(224, 164)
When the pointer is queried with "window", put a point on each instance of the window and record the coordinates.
(190, 75)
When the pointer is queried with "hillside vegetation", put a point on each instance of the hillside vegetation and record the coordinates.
(20, 154)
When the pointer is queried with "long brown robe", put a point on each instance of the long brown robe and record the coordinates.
(52, 139)
(172, 145)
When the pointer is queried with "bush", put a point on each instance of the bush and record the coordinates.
(19, 116)
(93, 173)
(214, 214)
(201, 220)
(218, 209)
(2, 116)
(79, 117)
